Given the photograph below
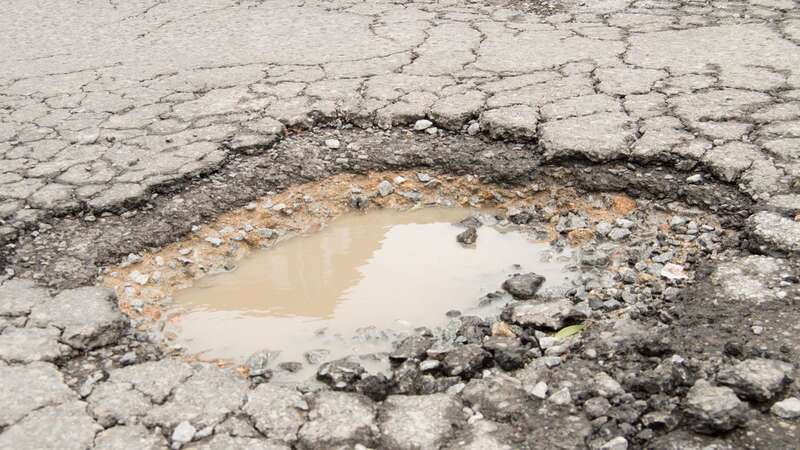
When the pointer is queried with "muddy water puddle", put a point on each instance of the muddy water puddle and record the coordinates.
(340, 288)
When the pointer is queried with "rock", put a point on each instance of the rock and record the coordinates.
(552, 315)
(474, 128)
(277, 412)
(411, 347)
(375, 387)
(713, 409)
(468, 236)
(316, 356)
(466, 360)
(214, 241)
(560, 397)
(787, 409)
(385, 188)
(509, 353)
(340, 374)
(257, 364)
(473, 329)
(129, 437)
(63, 427)
(183, 434)
(359, 201)
(618, 443)
(757, 379)
(423, 177)
(88, 316)
(539, 390)
(524, 286)
(422, 422)
(596, 407)
(339, 419)
(605, 386)
(332, 143)
(422, 124)
(618, 234)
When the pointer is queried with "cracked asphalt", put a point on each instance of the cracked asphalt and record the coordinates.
(110, 111)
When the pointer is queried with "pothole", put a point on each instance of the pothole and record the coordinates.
(352, 265)
(385, 271)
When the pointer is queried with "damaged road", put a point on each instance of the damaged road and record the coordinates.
(125, 127)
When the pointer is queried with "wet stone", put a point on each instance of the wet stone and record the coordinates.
(468, 236)
(552, 315)
(340, 374)
(258, 363)
(524, 286)
(411, 347)
(757, 379)
(508, 352)
(338, 418)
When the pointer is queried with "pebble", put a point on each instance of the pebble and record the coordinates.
(694, 179)
(385, 188)
(422, 124)
(757, 330)
(618, 443)
(561, 397)
(618, 234)
(216, 242)
(539, 390)
(468, 236)
(183, 434)
(787, 409)
(333, 143)
(474, 128)
(424, 177)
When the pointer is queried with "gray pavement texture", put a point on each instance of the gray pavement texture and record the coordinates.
(103, 103)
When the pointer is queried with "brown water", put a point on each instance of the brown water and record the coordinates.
(388, 269)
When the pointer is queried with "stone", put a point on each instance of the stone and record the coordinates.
(596, 407)
(468, 236)
(340, 374)
(618, 234)
(339, 418)
(385, 188)
(510, 122)
(31, 344)
(129, 437)
(277, 412)
(787, 409)
(183, 434)
(411, 347)
(332, 143)
(551, 315)
(422, 124)
(605, 386)
(618, 443)
(258, 363)
(713, 409)
(465, 360)
(757, 379)
(422, 422)
(28, 388)
(88, 316)
(524, 286)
